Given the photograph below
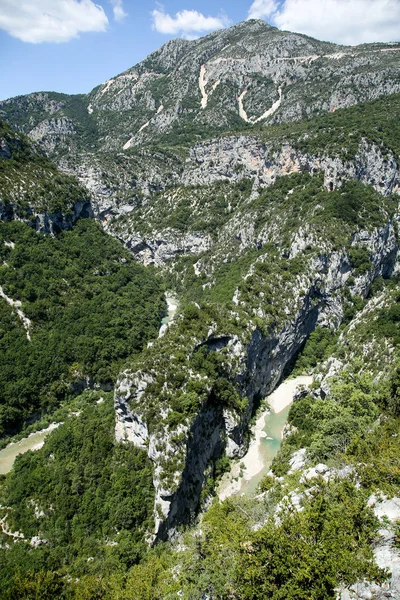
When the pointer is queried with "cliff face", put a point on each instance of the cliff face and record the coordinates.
(236, 158)
(46, 221)
(260, 361)
(33, 191)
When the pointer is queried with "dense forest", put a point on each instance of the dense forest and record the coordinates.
(90, 306)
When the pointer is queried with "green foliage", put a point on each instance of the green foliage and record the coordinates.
(359, 260)
(193, 208)
(376, 453)
(326, 427)
(29, 181)
(306, 555)
(319, 346)
(335, 215)
(89, 498)
(91, 306)
(387, 323)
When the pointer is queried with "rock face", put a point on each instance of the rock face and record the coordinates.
(159, 251)
(261, 364)
(46, 222)
(236, 158)
(51, 131)
(387, 556)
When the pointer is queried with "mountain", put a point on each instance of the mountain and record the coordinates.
(224, 80)
(250, 74)
(255, 175)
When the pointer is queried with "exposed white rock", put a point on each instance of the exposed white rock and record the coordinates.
(144, 126)
(37, 541)
(298, 460)
(202, 86)
(17, 305)
(242, 112)
(159, 250)
(386, 553)
(106, 87)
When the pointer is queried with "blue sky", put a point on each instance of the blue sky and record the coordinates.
(73, 45)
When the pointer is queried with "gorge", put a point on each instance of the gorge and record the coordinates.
(216, 221)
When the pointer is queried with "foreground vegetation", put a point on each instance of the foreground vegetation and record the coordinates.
(96, 498)
(83, 503)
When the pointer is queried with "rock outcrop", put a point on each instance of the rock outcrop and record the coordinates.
(260, 364)
(386, 554)
(44, 221)
(236, 158)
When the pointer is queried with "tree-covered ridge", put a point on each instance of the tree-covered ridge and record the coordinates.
(23, 112)
(339, 133)
(30, 184)
(91, 307)
(85, 500)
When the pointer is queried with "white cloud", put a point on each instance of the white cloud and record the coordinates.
(186, 23)
(38, 21)
(343, 21)
(118, 10)
(262, 9)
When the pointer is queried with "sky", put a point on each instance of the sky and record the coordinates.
(71, 46)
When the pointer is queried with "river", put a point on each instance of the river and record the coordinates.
(172, 305)
(246, 474)
(32, 442)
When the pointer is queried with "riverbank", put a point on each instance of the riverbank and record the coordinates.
(245, 475)
(34, 441)
(284, 393)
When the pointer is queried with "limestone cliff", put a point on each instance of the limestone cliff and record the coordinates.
(260, 359)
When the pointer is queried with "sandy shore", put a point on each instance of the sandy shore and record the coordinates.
(252, 463)
(283, 395)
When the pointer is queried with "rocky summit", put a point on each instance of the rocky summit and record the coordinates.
(175, 244)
